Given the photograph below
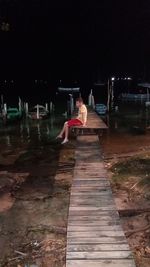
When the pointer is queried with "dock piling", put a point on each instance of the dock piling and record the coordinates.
(38, 112)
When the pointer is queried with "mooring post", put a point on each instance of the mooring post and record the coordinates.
(38, 112)
(26, 108)
(93, 102)
(20, 105)
(90, 98)
(5, 109)
(46, 106)
(4, 112)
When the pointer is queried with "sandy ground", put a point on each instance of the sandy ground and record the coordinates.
(128, 166)
(34, 199)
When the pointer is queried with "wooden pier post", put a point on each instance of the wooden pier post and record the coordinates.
(26, 109)
(5, 109)
(38, 112)
(20, 105)
(46, 106)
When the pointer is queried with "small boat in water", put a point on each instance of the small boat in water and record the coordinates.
(13, 114)
(100, 109)
(38, 112)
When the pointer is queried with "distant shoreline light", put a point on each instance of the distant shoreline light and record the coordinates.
(125, 78)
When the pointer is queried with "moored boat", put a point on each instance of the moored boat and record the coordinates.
(13, 114)
(100, 109)
(38, 112)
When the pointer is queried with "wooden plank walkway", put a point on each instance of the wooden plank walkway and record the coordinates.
(94, 236)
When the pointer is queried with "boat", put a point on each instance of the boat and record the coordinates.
(140, 94)
(100, 109)
(38, 112)
(13, 114)
(69, 89)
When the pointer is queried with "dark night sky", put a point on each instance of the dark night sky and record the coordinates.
(75, 41)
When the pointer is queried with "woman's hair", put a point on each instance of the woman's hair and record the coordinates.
(80, 100)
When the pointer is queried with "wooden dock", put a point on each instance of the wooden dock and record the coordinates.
(94, 235)
(95, 125)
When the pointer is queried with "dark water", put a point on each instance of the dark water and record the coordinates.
(30, 131)
(128, 129)
(128, 125)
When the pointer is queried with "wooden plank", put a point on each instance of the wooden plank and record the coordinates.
(92, 208)
(93, 223)
(100, 233)
(96, 173)
(90, 194)
(93, 219)
(95, 125)
(97, 240)
(92, 212)
(85, 176)
(82, 177)
(93, 201)
(91, 189)
(99, 255)
(98, 202)
(87, 172)
(93, 228)
(101, 263)
(85, 193)
(90, 203)
(92, 182)
(98, 199)
(98, 247)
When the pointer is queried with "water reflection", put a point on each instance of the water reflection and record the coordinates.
(128, 130)
(28, 131)
(38, 132)
(8, 140)
(128, 118)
